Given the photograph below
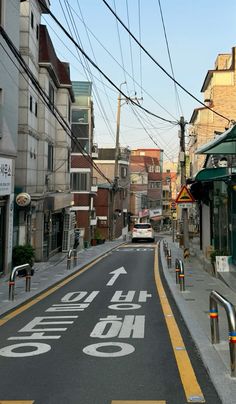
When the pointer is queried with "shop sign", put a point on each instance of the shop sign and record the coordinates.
(143, 213)
(5, 176)
(155, 212)
(23, 199)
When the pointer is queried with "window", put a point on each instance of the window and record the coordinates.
(32, 20)
(51, 95)
(37, 32)
(31, 103)
(154, 184)
(1, 12)
(1, 103)
(81, 133)
(36, 108)
(80, 181)
(124, 172)
(150, 169)
(50, 157)
(157, 169)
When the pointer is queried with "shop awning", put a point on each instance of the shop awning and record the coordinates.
(222, 144)
(212, 174)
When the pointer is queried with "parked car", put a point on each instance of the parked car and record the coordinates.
(142, 231)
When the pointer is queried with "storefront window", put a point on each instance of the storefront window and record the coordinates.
(220, 217)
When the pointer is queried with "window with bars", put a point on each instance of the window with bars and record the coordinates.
(80, 181)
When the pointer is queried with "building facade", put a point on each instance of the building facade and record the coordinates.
(113, 215)
(9, 81)
(146, 185)
(44, 140)
(83, 175)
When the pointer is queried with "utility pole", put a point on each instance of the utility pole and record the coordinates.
(183, 181)
(116, 168)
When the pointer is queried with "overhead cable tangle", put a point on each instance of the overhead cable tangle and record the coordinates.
(109, 53)
(158, 64)
(44, 96)
(96, 67)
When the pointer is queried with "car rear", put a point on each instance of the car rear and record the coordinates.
(142, 232)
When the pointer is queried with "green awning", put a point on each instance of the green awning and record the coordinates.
(212, 174)
(222, 144)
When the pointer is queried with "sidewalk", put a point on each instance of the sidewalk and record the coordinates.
(193, 303)
(49, 273)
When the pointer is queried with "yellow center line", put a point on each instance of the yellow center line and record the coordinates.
(191, 387)
(42, 296)
(136, 402)
(16, 402)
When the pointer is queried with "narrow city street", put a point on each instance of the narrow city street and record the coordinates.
(112, 335)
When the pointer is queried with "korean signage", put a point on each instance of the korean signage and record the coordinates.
(5, 176)
(155, 212)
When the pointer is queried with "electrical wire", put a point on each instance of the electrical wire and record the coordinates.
(115, 60)
(44, 96)
(158, 64)
(96, 67)
(170, 60)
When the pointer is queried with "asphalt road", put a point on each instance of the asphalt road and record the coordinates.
(106, 337)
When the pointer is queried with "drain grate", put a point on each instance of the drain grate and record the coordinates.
(190, 300)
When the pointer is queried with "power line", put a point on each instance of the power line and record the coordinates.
(115, 60)
(158, 64)
(96, 67)
(46, 100)
(171, 64)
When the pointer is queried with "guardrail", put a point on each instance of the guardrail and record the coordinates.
(12, 278)
(215, 298)
(72, 255)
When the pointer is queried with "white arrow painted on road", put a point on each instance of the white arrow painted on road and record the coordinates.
(117, 273)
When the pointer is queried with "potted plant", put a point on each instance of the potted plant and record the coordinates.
(98, 237)
(23, 254)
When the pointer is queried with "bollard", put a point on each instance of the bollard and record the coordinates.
(177, 271)
(75, 257)
(215, 298)
(169, 260)
(70, 257)
(181, 276)
(11, 283)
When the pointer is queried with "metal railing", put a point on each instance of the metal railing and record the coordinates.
(215, 298)
(179, 274)
(72, 255)
(12, 279)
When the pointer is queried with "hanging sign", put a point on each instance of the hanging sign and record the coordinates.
(184, 196)
(23, 199)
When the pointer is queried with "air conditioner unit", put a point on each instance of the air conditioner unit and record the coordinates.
(68, 236)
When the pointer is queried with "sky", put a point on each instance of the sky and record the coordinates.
(183, 37)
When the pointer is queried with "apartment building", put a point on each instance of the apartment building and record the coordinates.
(112, 202)
(9, 79)
(146, 185)
(219, 92)
(44, 140)
(83, 175)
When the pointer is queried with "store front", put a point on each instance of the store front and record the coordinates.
(2, 233)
